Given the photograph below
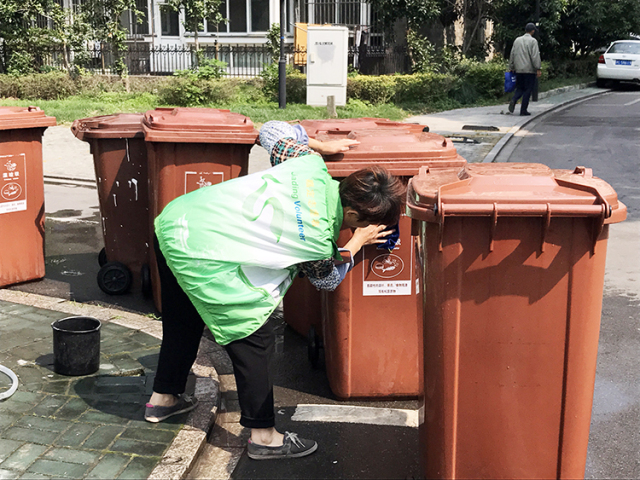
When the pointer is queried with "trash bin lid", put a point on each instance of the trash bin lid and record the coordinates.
(121, 125)
(313, 127)
(198, 125)
(399, 150)
(13, 118)
(511, 189)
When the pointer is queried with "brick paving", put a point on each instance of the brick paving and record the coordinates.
(91, 426)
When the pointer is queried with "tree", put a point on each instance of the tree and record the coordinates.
(70, 31)
(195, 11)
(103, 17)
(20, 33)
(416, 12)
(474, 13)
(587, 26)
(511, 16)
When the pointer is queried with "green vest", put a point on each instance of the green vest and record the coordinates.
(234, 247)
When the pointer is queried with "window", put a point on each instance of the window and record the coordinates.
(259, 15)
(129, 20)
(237, 15)
(242, 16)
(246, 16)
(170, 22)
(625, 47)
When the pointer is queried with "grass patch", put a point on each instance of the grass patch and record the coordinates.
(552, 83)
(262, 113)
(258, 109)
(81, 106)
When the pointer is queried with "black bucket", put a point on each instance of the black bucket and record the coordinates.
(76, 345)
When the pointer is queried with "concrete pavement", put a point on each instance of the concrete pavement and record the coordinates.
(92, 426)
(56, 425)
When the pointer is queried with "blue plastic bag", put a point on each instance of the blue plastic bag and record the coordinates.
(509, 82)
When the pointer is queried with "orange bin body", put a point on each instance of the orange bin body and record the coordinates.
(513, 258)
(21, 194)
(120, 161)
(191, 148)
(370, 322)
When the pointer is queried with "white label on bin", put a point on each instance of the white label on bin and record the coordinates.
(387, 273)
(195, 180)
(13, 184)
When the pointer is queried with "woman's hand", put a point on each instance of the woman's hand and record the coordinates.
(370, 235)
(332, 147)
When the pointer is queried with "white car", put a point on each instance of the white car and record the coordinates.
(621, 62)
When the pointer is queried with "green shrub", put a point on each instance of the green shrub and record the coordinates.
(144, 84)
(547, 71)
(424, 88)
(250, 91)
(97, 84)
(373, 89)
(9, 86)
(296, 83)
(43, 86)
(487, 78)
(296, 87)
(184, 92)
(206, 69)
(479, 80)
(581, 67)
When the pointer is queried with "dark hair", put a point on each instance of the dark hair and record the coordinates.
(375, 194)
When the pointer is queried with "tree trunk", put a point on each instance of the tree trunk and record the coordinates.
(467, 42)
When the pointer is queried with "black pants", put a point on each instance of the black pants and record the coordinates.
(182, 329)
(524, 86)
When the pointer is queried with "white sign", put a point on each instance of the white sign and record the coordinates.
(388, 273)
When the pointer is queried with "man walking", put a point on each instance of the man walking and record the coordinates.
(525, 62)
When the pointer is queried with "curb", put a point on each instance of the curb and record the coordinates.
(496, 150)
(78, 182)
(183, 452)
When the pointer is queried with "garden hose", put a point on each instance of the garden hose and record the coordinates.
(14, 381)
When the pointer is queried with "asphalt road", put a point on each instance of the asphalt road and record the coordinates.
(604, 133)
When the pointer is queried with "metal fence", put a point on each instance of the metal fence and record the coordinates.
(242, 60)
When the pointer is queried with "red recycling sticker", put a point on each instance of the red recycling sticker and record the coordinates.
(13, 183)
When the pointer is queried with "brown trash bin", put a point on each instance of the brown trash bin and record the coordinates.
(513, 257)
(370, 323)
(302, 302)
(346, 125)
(120, 161)
(191, 148)
(22, 194)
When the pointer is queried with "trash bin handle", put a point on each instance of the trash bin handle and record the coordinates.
(518, 210)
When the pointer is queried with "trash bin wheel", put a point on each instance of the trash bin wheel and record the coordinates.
(314, 344)
(114, 278)
(145, 277)
(102, 257)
